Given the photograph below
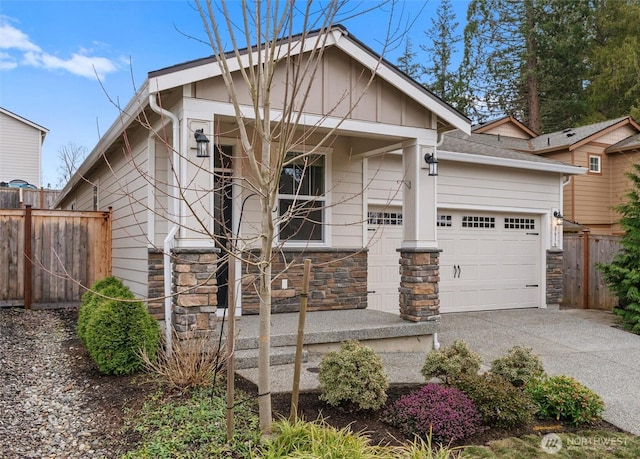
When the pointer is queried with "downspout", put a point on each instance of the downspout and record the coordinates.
(439, 141)
(167, 243)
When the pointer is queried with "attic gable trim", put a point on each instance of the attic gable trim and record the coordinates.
(403, 83)
(513, 163)
(499, 122)
(196, 107)
(209, 68)
(42, 129)
(608, 129)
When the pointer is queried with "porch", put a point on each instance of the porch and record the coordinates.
(325, 330)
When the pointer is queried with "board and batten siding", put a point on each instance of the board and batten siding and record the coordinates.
(20, 150)
(592, 198)
(339, 83)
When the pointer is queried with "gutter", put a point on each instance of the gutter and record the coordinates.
(167, 243)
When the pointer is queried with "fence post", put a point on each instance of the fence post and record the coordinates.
(28, 256)
(586, 269)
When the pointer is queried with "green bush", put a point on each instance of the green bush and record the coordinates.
(499, 403)
(116, 333)
(449, 362)
(109, 287)
(518, 366)
(565, 399)
(354, 376)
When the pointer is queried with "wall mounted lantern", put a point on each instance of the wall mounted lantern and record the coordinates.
(202, 143)
(558, 216)
(432, 162)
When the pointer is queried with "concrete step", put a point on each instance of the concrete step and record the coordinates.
(281, 355)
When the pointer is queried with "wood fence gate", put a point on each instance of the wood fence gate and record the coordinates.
(584, 286)
(49, 257)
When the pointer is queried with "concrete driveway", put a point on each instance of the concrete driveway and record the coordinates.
(583, 344)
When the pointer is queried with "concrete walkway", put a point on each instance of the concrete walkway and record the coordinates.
(583, 344)
(579, 343)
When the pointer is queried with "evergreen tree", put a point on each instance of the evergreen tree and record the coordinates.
(407, 62)
(622, 275)
(528, 59)
(441, 80)
(614, 88)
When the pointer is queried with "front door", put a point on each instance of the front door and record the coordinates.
(223, 218)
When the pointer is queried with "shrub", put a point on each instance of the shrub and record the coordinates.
(109, 287)
(565, 399)
(191, 363)
(117, 331)
(315, 440)
(353, 375)
(518, 366)
(450, 362)
(443, 412)
(499, 403)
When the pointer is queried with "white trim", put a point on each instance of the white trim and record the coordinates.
(508, 162)
(151, 201)
(599, 158)
(365, 200)
(439, 108)
(501, 209)
(384, 202)
(195, 107)
(326, 241)
(341, 40)
(27, 122)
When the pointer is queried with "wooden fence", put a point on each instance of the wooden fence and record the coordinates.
(584, 286)
(47, 257)
(19, 198)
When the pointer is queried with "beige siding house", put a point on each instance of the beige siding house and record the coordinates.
(458, 235)
(606, 150)
(20, 148)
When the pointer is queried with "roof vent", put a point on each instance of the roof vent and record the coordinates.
(566, 130)
(571, 134)
(548, 141)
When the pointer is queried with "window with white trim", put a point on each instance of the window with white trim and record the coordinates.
(475, 221)
(301, 199)
(594, 164)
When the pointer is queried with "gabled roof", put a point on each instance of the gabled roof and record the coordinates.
(336, 35)
(472, 149)
(489, 125)
(630, 143)
(573, 138)
(43, 130)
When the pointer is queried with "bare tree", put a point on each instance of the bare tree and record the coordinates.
(70, 156)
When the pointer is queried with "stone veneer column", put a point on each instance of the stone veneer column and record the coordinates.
(555, 277)
(419, 278)
(195, 292)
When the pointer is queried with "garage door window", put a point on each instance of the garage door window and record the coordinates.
(385, 218)
(476, 221)
(444, 221)
(519, 223)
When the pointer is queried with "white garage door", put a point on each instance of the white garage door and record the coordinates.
(489, 261)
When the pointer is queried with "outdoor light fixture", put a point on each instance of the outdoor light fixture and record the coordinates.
(432, 162)
(203, 144)
(558, 216)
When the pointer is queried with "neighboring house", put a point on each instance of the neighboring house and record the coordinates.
(480, 235)
(20, 148)
(606, 149)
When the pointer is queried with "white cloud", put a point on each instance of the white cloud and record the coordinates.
(12, 38)
(7, 62)
(80, 63)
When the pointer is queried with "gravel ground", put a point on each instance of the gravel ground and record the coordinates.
(44, 408)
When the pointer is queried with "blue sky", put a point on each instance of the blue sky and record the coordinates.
(49, 49)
